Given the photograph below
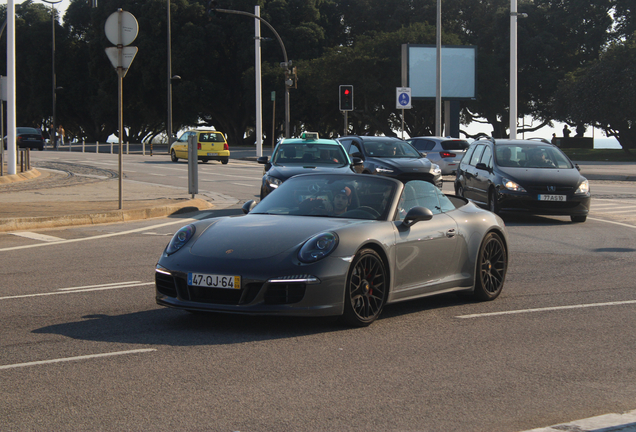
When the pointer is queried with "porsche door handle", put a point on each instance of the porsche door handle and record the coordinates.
(451, 233)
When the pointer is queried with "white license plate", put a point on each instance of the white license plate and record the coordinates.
(213, 154)
(552, 198)
(214, 281)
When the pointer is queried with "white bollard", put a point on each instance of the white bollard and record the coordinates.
(96, 146)
(83, 145)
(127, 147)
(111, 147)
(143, 146)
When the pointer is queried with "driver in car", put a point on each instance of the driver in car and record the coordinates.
(341, 201)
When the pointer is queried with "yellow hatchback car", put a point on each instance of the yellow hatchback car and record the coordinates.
(211, 145)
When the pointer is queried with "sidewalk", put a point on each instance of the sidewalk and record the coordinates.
(56, 204)
(59, 205)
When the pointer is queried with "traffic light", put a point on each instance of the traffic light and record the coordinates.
(346, 98)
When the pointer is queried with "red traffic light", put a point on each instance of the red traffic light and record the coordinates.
(346, 98)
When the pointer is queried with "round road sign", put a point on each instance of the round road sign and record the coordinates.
(126, 28)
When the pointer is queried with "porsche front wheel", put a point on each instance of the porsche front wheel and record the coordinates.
(366, 289)
(492, 264)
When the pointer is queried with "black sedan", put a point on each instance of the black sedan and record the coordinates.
(28, 137)
(295, 254)
(528, 176)
(308, 154)
(392, 157)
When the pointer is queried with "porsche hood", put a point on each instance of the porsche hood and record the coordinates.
(257, 236)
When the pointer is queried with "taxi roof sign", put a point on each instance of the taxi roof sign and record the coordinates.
(309, 135)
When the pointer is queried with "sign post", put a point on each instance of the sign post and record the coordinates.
(403, 101)
(121, 29)
(193, 165)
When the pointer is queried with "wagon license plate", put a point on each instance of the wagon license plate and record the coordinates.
(213, 154)
(552, 198)
(214, 281)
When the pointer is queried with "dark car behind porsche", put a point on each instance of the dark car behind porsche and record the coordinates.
(392, 157)
(524, 176)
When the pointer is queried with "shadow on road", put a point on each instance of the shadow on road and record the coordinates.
(164, 326)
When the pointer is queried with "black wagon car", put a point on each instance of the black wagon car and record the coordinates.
(528, 176)
(392, 157)
(28, 137)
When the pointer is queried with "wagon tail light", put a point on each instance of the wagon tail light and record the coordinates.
(198, 146)
(447, 154)
(226, 147)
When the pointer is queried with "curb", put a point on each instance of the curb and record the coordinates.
(26, 223)
(27, 175)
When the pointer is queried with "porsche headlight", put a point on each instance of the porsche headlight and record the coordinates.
(583, 189)
(273, 182)
(435, 169)
(383, 170)
(180, 238)
(513, 186)
(318, 247)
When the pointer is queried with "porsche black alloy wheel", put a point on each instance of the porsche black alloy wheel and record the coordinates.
(492, 264)
(366, 289)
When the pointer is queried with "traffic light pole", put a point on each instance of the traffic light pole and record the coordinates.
(282, 45)
(346, 125)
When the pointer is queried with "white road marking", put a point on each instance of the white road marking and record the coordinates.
(623, 422)
(91, 176)
(84, 357)
(612, 222)
(548, 309)
(75, 290)
(102, 285)
(180, 221)
(243, 184)
(36, 236)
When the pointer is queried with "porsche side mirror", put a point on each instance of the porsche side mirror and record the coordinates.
(417, 214)
(249, 206)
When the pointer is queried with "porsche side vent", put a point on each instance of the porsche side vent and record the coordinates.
(165, 284)
(284, 293)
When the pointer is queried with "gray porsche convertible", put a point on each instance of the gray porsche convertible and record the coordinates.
(335, 244)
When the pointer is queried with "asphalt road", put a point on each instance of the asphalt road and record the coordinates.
(83, 346)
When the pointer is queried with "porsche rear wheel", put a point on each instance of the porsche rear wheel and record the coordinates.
(366, 289)
(492, 264)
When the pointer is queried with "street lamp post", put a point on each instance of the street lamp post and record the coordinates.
(54, 83)
(169, 120)
(286, 65)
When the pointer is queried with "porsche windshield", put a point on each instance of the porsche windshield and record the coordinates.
(357, 197)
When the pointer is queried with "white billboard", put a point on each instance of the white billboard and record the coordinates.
(459, 70)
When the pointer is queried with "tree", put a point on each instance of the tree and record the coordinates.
(602, 94)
